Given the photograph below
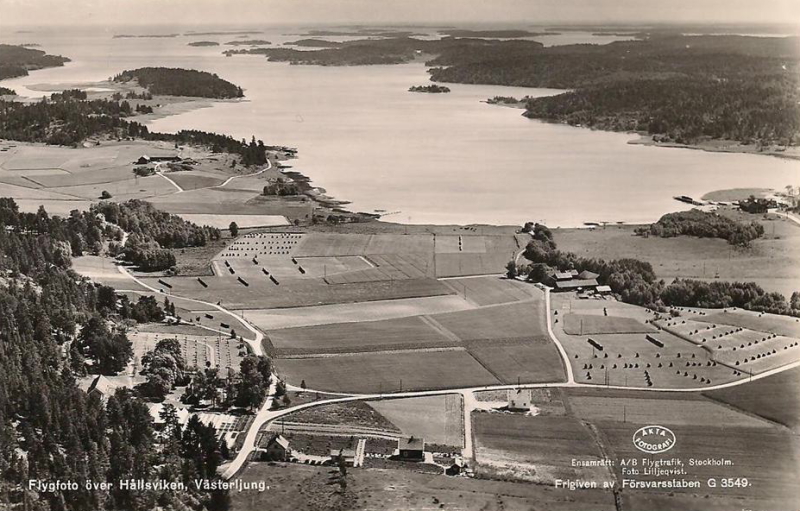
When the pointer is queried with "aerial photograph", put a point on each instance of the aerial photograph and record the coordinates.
(466, 255)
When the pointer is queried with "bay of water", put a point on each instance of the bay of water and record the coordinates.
(432, 158)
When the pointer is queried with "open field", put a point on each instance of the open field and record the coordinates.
(781, 325)
(593, 405)
(102, 270)
(587, 324)
(491, 290)
(524, 320)
(775, 397)
(437, 419)
(768, 458)
(771, 261)
(273, 319)
(536, 449)
(525, 362)
(630, 358)
(302, 487)
(386, 372)
(243, 221)
(401, 333)
(296, 293)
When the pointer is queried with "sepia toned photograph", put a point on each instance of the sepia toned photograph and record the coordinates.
(399, 255)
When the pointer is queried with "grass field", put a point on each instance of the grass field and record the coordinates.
(437, 419)
(295, 487)
(781, 325)
(273, 319)
(524, 320)
(775, 397)
(386, 372)
(401, 333)
(588, 324)
(243, 221)
(525, 362)
(627, 359)
(491, 290)
(298, 292)
(536, 449)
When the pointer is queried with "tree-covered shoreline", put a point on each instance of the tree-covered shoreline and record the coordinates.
(18, 60)
(181, 82)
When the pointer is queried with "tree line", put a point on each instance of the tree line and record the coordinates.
(635, 281)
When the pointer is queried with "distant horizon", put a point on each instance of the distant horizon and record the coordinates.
(94, 13)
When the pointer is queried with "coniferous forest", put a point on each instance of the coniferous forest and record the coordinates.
(181, 82)
(51, 323)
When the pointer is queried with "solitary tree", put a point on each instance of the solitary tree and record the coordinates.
(511, 270)
(234, 229)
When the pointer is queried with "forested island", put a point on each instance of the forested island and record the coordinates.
(203, 43)
(18, 60)
(181, 82)
(435, 89)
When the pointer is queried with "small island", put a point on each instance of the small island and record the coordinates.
(203, 43)
(434, 89)
(248, 42)
(181, 82)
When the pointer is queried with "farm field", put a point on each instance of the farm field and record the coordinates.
(768, 458)
(536, 449)
(437, 419)
(386, 372)
(491, 290)
(296, 293)
(401, 333)
(588, 324)
(273, 319)
(637, 408)
(103, 270)
(771, 261)
(630, 359)
(221, 221)
(749, 351)
(525, 362)
(775, 397)
(781, 325)
(302, 487)
(523, 320)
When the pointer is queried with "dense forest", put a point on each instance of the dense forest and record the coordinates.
(636, 282)
(181, 82)
(18, 60)
(704, 225)
(5, 91)
(50, 430)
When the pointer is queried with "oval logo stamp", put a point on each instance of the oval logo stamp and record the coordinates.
(654, 439)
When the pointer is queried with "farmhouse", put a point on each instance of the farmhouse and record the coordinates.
(277, 449)
(144, 159)
(411, 448)
(348, 455)
(102, 387)
(571, 280)
(519, 399)
(457, 467)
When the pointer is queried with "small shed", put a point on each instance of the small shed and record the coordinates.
(588, 275)
(349, 456)
(277, 449)
(605, 290)
(411, 448)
